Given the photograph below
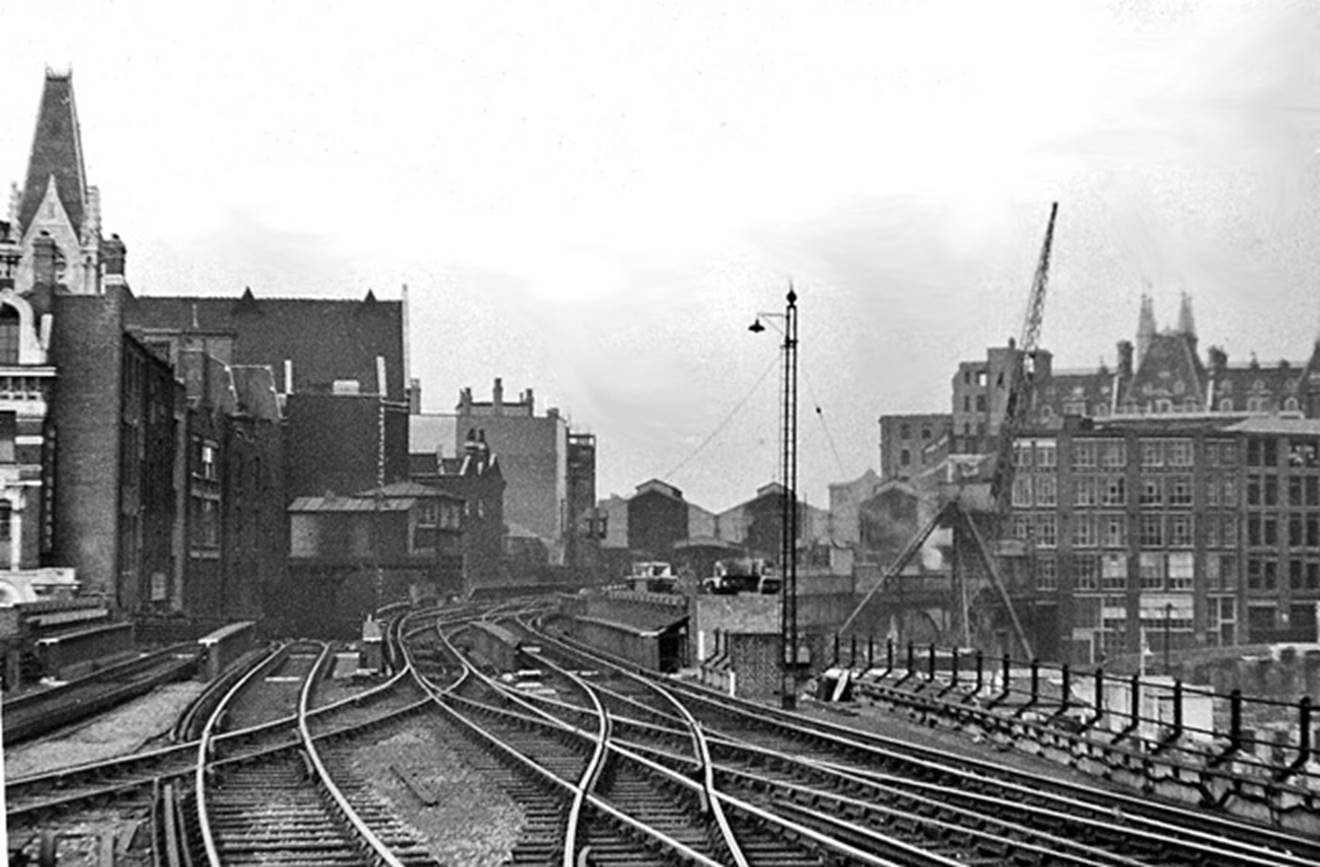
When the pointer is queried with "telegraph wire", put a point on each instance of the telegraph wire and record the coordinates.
(725, 422)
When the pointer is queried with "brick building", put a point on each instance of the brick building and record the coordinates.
(912, 444)
(477, 479)
(1205, 532)
(113, 416)
(549, 469)
(337, 366)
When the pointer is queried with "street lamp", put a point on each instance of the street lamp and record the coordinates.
(788, 631)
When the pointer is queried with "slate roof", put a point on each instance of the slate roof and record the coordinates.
(57, 151)
(327, 339)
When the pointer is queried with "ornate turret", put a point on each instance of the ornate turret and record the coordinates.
(55, 199)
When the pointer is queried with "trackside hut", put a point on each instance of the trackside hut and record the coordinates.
(349, 553)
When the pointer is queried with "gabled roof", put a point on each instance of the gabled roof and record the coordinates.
(56, 152)
(663, 488)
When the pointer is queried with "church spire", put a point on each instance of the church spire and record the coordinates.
(56, 157)
(1186, 324)
(1145, 326)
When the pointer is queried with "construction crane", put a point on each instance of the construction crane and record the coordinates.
(994, 500)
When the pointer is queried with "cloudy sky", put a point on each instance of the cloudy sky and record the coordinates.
(594, 199)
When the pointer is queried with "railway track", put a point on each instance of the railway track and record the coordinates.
(282, 805)
(813, 771)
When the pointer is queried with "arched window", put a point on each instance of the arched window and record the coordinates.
(1290, 405)
(10, 325)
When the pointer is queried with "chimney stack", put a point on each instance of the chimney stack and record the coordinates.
(113, 254)
(1125, 359)
(414, 396)
(498, 400)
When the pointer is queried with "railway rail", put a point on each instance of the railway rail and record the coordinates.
(753, 743)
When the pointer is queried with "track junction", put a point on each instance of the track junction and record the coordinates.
(607, 764)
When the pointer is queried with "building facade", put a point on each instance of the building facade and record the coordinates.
(1141, 533)
(912, 444)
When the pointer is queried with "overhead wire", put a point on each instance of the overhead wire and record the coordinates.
(725, 421)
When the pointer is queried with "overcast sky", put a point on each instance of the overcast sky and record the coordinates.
(594, 199)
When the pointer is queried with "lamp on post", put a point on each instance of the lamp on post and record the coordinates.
(788, 630)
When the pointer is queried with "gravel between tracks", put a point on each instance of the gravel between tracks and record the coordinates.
(473, 822)
(118, 732)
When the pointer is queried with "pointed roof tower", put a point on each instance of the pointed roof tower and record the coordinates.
(1145, 326)
(1186, 324)
(56, 154)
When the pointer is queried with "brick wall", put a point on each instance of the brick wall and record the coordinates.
(86, 348)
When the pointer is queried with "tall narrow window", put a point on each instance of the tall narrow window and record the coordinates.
(9, 332)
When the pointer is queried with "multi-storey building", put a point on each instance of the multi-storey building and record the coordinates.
(477, 478)
(550, 472)
(1140, 531)
(912, 444)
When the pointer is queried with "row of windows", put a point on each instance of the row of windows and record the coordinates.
(1303, 530)
(1156, 570)
(1153, 530)
(1263, 574)
(1165, 452)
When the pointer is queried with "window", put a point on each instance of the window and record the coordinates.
(1022, 527)
(1084, 491)
(1228, 571)
(1212, 491)
(1228, 530)
(1180, 531)
(1312, 531)
(967, 403)
(1262, 453)
(1046, 491)
(1303, 454)
(1152, 453)
(6, 516)
(1152, 531)
(1211, 525)
(1312, 491)
(1312, 576)
(1022, 454)
(1270, 530)
(1113, 453)
(1180, 453)
(1083, 455)
(1047, 455)
(1270, 489)
(904, 432)
(1086, 572)
(1150, 566)
(1296, 581)
(1115, 531)
(10, 331)
(1113, 572)
(1228, 454)
(1181, 571)
(1180, 491)
(980, 403)
(1295, 534)
(905, 458)
(1228, 493)
(1294, 490)
(1047, 531)
(1022, 490)
(1113, 491)
(1083, 531)
(1152, 491)
(1047, 574)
